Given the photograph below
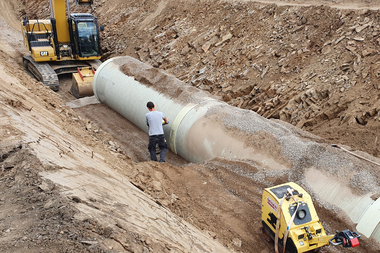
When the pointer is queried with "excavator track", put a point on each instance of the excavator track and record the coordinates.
(43, 72)
(48, 73)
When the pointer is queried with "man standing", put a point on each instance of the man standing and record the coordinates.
(156, 132)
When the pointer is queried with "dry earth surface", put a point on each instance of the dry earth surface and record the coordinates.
(80, 179)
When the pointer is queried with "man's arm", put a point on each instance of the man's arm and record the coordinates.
(166, 120)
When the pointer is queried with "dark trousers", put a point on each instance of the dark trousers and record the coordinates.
(153, 140)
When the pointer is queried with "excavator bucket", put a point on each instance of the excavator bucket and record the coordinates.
(84, 2)
(82, 82)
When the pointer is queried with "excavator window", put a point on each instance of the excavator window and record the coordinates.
(84, 34)
(88, 44)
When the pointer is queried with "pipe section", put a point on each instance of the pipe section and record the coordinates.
(197, 129)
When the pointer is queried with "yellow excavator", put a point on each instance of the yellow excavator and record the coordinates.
(65, 43)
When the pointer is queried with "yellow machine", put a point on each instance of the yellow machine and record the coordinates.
(62, 44)
(82, 82)
(288, 215)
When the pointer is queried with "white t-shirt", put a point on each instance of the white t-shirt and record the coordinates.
(154, 121)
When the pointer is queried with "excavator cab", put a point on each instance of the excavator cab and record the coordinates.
(84, 35)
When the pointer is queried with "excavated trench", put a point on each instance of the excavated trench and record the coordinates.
(327, 172)
(223, 196)
(129, 138)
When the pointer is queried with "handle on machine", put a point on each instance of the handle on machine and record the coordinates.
(347, 238)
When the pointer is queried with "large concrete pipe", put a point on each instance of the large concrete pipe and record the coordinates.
(202, 127)
(198, 127)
